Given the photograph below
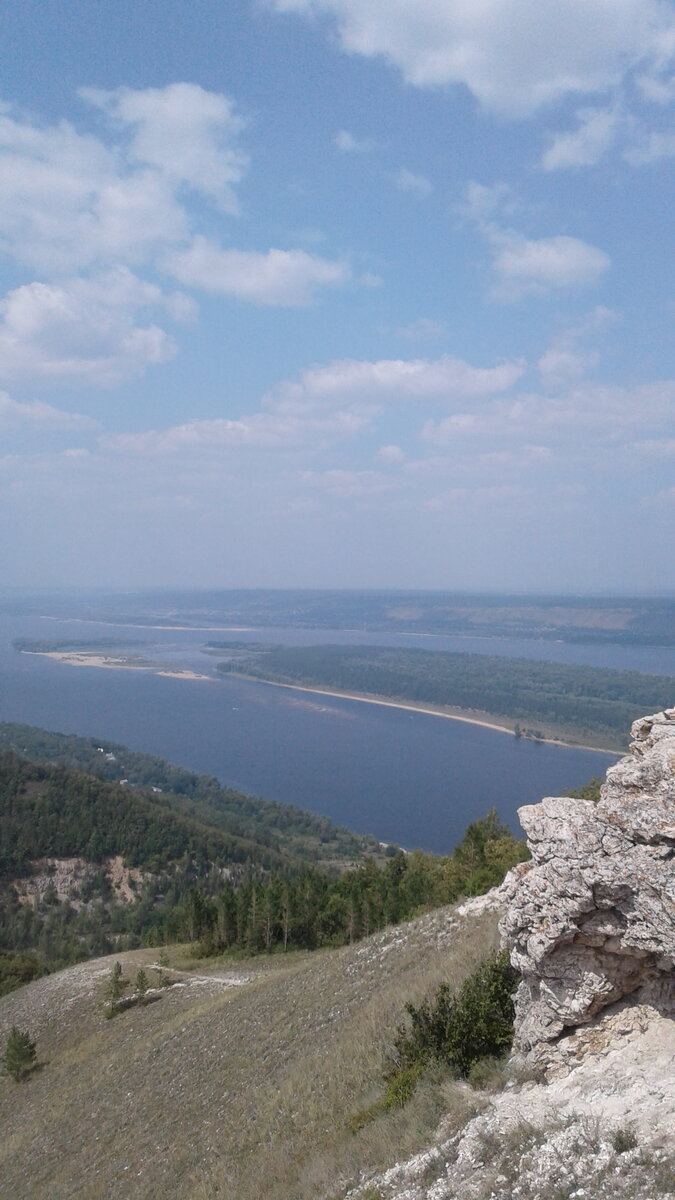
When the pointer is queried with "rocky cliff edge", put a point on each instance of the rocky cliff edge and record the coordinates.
(591, 918)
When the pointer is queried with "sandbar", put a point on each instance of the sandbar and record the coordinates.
(111, 662)
(428, 710)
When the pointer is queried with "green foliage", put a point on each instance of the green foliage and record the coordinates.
(400, 1087)
(141, 985)
(590, 790)
(113, 992)
(462, 1028)
(584, 699)
(259, 831)
(18, 1058)
(18, 968)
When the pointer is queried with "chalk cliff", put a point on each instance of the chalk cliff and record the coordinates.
(591, 919)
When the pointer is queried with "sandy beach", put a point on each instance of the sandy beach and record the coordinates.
(111, 662)
(429, 710)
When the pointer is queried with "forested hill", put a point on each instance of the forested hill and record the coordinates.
(258, 830)
(573, 703)
(88, 866)
(53, 811)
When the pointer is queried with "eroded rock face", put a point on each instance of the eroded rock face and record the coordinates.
(591, 918)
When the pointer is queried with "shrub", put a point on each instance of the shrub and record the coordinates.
(462, 1028)
(19, 1055)
(624, 1138)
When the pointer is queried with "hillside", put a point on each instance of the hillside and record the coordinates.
(262, 1078)
(238, 1083)
(281, 828)
(89, 866)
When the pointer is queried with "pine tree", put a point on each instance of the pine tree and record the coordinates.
(141, 985)
(114, 990)
(19, 1055)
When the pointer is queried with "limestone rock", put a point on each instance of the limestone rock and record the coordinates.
(591, 919)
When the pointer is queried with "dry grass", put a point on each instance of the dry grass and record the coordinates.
(221, 1091)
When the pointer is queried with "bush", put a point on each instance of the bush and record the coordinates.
(462, 1028)
(19, 1055)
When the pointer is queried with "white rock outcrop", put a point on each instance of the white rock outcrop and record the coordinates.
(591, 918)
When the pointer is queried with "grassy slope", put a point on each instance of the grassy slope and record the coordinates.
(220, 1091)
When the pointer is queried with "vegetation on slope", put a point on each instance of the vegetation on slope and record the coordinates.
(237, 1092)
(575, 701)
(191, 880)
(280, 827)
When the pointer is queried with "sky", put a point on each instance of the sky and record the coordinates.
(338, 293)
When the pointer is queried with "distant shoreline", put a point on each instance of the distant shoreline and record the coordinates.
(110, 662)
(427, 710)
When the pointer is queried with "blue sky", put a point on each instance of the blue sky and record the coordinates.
(359, 293)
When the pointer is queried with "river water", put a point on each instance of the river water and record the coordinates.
(405, 777)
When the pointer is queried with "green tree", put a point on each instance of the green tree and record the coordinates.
(19, 1055)
(115, 988)
(141, 985)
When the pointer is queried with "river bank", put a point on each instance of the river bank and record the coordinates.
(484, 721)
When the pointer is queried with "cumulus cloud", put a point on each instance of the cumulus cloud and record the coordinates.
(279, 277)
(525, 266)
(68, 201)
(349, 144)
(514, 56)
(35, 414)
(86, 331)
(327, 405)
(424, 329)
(418, 185)
(569, 358)
(261, 430)
(84, 212)
(185, 133)
(581, 417)
(530, 266)
(442, 379)
(597, 130)
(393, 455)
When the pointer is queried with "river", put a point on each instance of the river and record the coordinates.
(405, 777)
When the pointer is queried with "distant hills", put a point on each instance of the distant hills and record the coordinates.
(628, 621)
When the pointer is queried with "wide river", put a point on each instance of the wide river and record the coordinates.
(405, 777)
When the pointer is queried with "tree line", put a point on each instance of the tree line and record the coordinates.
(585, 700)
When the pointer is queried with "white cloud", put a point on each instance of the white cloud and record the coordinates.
(424, 329)
(282, 277)
(70, 202)
(568, 358)
(526, 266)
(442, 379)
(650, 146)
(418, 185)
(393, 455)
(349, 144)
(67, 201)
(35, 414)
(261, 430)
(514, 56)
(85, 330)
(596, 132)
(584, 417)
(185, 133)
(345, 484)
